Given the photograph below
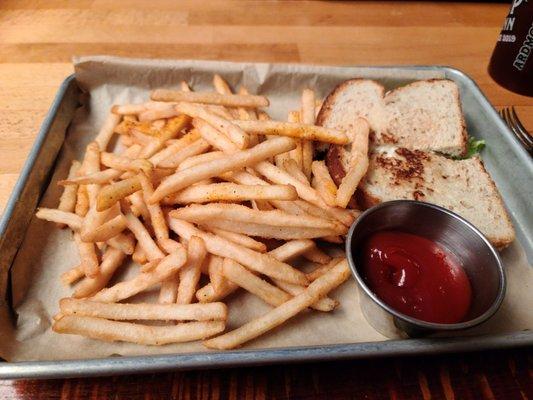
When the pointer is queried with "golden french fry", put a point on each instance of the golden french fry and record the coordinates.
(317, 255)
(143, 237)
(111, 160)
(292, 168)
(358, 163)
(323, 183)
(88, 257)
(214, 270)
(174, 147)
(197, 147)
(182, 179)
(293, 129)
(237, 135)
(122, 242)
(139, 257)
(111, 194)
(100, 177)
(61, 217)
(156, 214)
(72, 275)
(163, 312)
(91, 164)
(67, 201)
(122, 290)
(111, 261)
(169, 290)
(232, 192)
(321, 270)
(103, 329)
(325, 304)
(308, 117)
(189, 275)
(128, 109)
(238, 238)
(82, 201)
(106, 132)
(214, 137)
(259, 262)
(106, 231)
(138, 206)
(200, 159)
(228, 100)
(285, 311)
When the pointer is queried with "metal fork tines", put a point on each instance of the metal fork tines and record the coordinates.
(511, 119)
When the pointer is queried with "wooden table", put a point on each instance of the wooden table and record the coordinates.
(38, 39)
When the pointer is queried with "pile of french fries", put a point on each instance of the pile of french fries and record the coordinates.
(190, 189)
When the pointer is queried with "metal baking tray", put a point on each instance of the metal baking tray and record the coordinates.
(504, 158)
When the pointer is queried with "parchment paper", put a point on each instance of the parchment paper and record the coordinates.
(47, 252)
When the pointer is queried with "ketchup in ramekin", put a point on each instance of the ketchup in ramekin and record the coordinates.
(416, 277)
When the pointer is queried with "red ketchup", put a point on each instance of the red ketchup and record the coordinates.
(416, 277)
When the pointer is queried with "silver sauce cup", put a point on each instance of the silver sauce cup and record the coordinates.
(476, 255)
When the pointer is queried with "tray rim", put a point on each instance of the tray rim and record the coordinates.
(236, 358)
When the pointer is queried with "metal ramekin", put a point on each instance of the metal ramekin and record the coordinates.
(476, 255)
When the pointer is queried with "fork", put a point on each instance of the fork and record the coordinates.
(511, 119)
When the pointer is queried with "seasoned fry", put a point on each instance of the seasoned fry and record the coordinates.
(323, 183)
(91, 164)
(282, 313)
(214, 137)
(197, 147)
(122, 242)
(259, 262)
(182, 179)
(308, 117)
(294, 170)
(67, 201)
(106, 132)
(106, 230)
(293, 129)
(359, 163)
(72, 275)
(200, 159)
(238, 238)
(228, 100)
(143, 237)
(166, 312)
(123, 290)
(103, 329)
(175, 147)
(156, 214)
(236, 134)
(189, 275)
(82, 201)
(232, 192)
(111, 261)
(139, 256)
(88, 258)
(111, 160)
(111, 194)
(317, 255)
(138, 206)
(60, 217)
(214, 270)
(100, 177)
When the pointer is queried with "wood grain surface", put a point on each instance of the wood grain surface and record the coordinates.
(37, 41)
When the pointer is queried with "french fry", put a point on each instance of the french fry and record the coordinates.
(106, 132)
(321, 270)
(67, 201)
(143, 237)
(214, 137)
(111, 194)
(323, 183)
(285, 311)
(91, 164)
(238, 213)
(156, 215)
(72, 275)
(82, 201)
(243, 240)
(88, 257)
(296, 154)
(178, 145)
(358, 164)
(239, 275)
(139, 257)
(259, 262)
(294, 130)
(214, 270)
(232, 192)
(197, 147)
(123, 290)
(111, 160)
(169, 290)
(317, 255)
(247, 114)
(325, 304)
(105, 231)
(138, 206)
(61, 217)
(228, 100)
(308, 117)
(162, 312)
(237, 135)
(122, 242)
(292, 168)
(103, 329)
(128, 109)
(189, 275)
(111, 261)
(182, 179)
(100, 177)
(168, 245)
(200, 159)
(207, 294)
(221, 86)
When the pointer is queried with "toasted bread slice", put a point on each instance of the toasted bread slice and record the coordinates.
(462, 186)
(425, 115)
